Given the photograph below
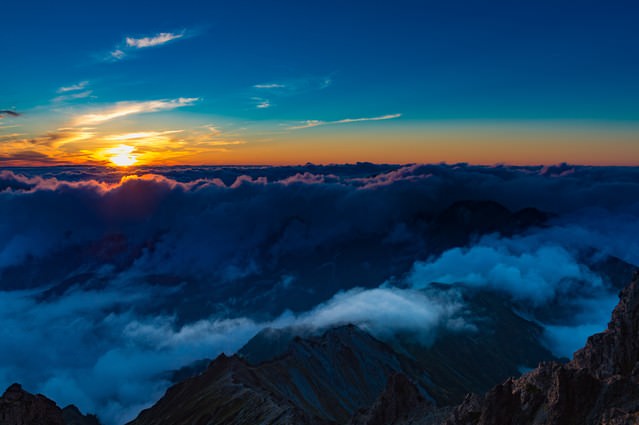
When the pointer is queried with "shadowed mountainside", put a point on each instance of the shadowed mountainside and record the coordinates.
(18, 407)
(321, 380)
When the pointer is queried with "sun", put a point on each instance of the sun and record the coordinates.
(122, 156)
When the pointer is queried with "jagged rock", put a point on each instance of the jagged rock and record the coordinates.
(18, 407)
(599, 386)
(616, 350)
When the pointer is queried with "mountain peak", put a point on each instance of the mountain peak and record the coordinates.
(18, 407)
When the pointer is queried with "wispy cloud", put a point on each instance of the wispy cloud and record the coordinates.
(130, 44)
(141, 135)
(10, 135)
(317, 123)
(226, 142)
(213, 129)
(122, 109)
(270, 86)
(288, 87)
(117, 54)
(262, 103)
(156, 40)
(75, 87)
(73, 96)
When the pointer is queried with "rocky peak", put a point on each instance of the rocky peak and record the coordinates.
(18, 407)
(616, 350)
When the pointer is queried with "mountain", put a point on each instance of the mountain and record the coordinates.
(600, 385)
(289, 374)
(19, 407)
(318, 380)
(457, 362)
(346, 376)
(502, 344)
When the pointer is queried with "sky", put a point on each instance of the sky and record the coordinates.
(291, 82)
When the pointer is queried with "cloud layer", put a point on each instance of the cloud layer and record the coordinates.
(130, 276)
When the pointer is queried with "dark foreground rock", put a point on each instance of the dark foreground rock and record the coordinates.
(19, 407)
(599, 386)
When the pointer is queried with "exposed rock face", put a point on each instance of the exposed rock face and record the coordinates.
(616, 350)
(599, 386)
(321, 380)
(18, 407)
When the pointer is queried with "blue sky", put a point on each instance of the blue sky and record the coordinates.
(256, 68)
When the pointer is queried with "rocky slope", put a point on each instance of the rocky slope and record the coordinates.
(599, 386)
(322, 380)
(456, 362)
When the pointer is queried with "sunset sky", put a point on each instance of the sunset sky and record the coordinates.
(290, 82)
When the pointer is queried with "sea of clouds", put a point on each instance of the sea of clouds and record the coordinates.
(109, 280)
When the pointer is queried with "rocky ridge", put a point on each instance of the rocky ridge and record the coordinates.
(600, 385)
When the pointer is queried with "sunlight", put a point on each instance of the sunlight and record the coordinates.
(122, 156)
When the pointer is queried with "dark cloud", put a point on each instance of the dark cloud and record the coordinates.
(126, 277)
(28, 158)
(8, 112)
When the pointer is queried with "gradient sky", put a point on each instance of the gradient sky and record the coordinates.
(292, 82)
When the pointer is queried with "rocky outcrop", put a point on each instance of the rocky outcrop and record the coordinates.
(18, 407)
(599, 386)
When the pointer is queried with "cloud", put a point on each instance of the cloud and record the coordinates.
(269, 86)
(26, 158)
(10, 135)
(116, 54)
(130, 276)
(73, 96)
(295, 86)
(316, 123)
(262, 103)
(122, 109)
(141, 135)
(75, 87)
(156, 40)
(290, 87)
(535, 274)
(132, 44)
(226, 142)
(10, 113)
